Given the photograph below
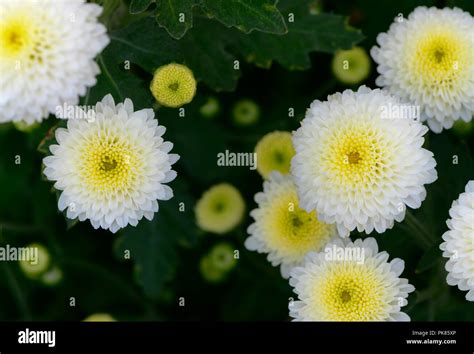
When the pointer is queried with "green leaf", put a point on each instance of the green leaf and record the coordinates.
(205, 51)
(138, 6)
(311, 33)
(144, 43)
(153, 245)
(175, 15)
(247, 15)
(120, 78)
(210, 50)
(147, 45)
(130, 60)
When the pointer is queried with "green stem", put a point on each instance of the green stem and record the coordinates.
(106, 72)
(86, 99)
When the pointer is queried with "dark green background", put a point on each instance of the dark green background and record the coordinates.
(166, 252)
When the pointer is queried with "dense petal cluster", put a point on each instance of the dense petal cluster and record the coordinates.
(350, 281)
(111, 170)
(357, 167)
(428, 60)
(458, 245)
(47, 51)
(282, 229)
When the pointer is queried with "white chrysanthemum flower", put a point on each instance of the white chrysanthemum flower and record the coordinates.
(428, 60)
(357, 168)
(112, 169)
(350, 281)
(459, 243)
(47, 51)
(282, 229)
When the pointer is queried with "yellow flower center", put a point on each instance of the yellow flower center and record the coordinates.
(15, 35)
(109, 166)
(291, 230)
(439, 59)
(14, 38)
(351, 292)
(24, 39)
(356, 155)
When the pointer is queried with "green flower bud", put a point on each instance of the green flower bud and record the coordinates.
(222, 258)
(351, 66)
(245, 112)
(211, 108)
(274, 153)
(33, 268)
(173, 85)
(220, 209)
(209, 272)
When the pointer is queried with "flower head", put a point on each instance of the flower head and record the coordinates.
(220, 209)
(113, 170)
(349, 281)
(245, 112)
(47, 51)
(274, 153)
(356, 168)
(458, 245)
(282, 229)
(173, 85)
(351, 66)
(428, 60)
